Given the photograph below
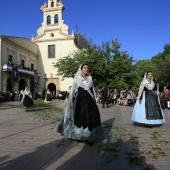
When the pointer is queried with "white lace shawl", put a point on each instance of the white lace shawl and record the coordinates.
(78, 82)
(25, 92)
(49, 92)
(146, 84)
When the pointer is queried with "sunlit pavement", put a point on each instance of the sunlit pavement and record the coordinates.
(29, 144)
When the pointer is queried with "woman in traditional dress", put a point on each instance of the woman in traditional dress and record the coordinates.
(48, 96)
(27, 100)
(147, 109)
(81, 117)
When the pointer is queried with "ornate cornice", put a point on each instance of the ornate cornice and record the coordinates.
(56, 39)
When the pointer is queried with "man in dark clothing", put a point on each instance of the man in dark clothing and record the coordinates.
(164, 98)
(104, 93)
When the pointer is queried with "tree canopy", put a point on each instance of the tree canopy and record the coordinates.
(162, 69)
(159, 65)
(114, 68)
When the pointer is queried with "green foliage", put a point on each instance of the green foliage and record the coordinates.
(159, 65)
(108, 65)
(141, 67)
(115, 68)
(162, 69)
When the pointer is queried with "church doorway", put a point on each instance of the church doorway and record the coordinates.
(22, 84)
(9, 85)
(52, 87)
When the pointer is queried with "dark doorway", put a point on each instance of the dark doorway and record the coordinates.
(52, 87)
(22, 84)
(9, 85)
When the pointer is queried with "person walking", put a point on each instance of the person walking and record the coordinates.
(147, 109)
(27, 100)
(81, 118)
(48, 96)
(105, 94)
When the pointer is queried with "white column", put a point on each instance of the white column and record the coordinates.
(55, 3)
(45, 19)
(52, 19)
(60, 19)
(49, 4)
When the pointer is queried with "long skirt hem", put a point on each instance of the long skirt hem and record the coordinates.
(69, 130)
(139, 114)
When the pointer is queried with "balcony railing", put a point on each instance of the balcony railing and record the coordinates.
(8, 67)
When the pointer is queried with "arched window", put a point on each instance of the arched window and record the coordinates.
(52, 4)
(58, 0)
(56, 19)
(48, 19)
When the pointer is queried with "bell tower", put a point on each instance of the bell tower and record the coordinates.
(52, 20)
(54, 42)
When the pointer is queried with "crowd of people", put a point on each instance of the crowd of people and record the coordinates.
(7, 96)
(126, 97)
(104, 96)
(117, 97)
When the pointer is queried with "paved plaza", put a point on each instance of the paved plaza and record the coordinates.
(29, 144)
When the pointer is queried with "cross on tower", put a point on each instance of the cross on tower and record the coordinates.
(76, 27)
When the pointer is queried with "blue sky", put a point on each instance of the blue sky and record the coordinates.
(141, 26)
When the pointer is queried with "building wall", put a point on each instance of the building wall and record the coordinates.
(9, 47)
(53, 33)
(45, 64)
(18, 52)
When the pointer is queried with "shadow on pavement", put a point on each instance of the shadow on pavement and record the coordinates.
(40, 158)
(8, 107)
(62, 155)
(120, 155)
(47, 154)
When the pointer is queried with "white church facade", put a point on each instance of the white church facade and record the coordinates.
(52, 42)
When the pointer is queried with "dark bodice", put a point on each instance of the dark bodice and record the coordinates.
(86, 110)
(153, 110)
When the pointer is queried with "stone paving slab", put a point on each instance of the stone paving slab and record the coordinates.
(27, 144)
